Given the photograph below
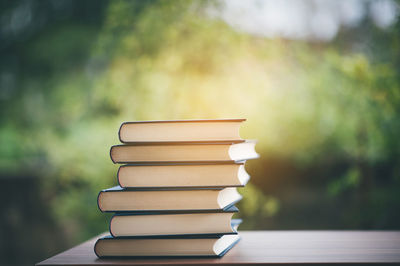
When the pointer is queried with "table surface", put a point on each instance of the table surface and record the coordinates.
(270, 247)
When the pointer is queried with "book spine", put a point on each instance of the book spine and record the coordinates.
(98, 201)
(118, 178)
(119, 132)
(109, 226)
(95, 248)
(112, 159)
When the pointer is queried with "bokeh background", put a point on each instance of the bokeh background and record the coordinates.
(318, 81)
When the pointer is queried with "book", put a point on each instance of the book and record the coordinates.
(118, 199)
(184, 153)
(164, 224)
(182, 176)
(211, 246)
(221, 130)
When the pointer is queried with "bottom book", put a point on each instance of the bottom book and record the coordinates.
(208, 246)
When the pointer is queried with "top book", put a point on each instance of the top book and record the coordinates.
(190, 131)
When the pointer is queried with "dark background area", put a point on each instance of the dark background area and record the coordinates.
(324, 108)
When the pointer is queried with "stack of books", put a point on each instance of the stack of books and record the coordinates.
(177, 188)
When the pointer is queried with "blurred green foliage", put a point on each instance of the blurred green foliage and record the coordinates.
(327, 115)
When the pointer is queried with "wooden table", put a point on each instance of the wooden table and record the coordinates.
(271, 247)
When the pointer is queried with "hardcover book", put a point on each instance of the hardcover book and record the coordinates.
(220, 130)
(184, 153)
(170, 223)
(183, 176)
(117, 199)
(211, 246)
